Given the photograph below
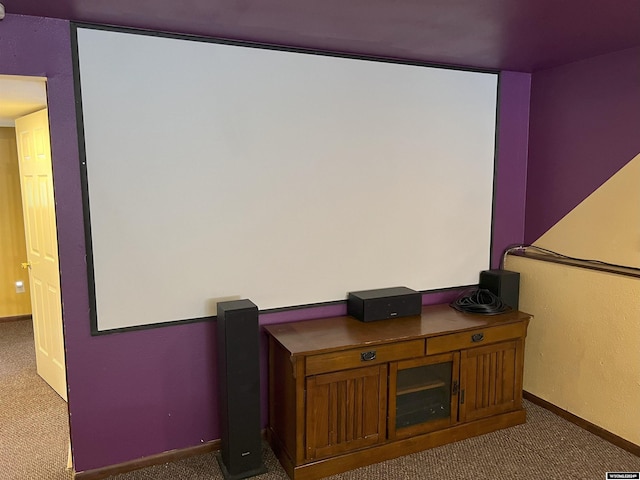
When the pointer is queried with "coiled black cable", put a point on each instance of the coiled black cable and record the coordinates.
(481, 301)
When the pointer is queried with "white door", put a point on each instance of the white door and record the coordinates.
(36, 181)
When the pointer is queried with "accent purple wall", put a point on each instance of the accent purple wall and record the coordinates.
(511, 170)
(585, 125)
(139, 393)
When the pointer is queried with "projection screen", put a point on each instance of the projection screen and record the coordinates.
(217, 171)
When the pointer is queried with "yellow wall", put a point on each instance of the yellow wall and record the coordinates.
(12, 242)
(606, 225)
(583, 345)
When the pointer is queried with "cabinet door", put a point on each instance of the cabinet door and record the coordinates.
(490, 380)
(423, 395)
(345, 410)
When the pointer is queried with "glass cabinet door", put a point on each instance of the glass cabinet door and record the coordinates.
(423, 394)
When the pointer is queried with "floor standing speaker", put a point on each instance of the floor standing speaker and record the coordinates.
(504, 284)
(239, 389)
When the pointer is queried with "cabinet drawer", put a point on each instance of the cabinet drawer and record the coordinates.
(475, 338)
(364, 356)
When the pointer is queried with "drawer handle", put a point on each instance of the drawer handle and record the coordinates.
(477, 337)
(368, 356)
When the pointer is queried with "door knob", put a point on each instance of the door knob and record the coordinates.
(25, 265)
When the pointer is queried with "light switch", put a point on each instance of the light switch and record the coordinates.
(19, 286)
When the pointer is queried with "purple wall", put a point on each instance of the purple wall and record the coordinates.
(585, 125)
(144, 392)
(511, 173)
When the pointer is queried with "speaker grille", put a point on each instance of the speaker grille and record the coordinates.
(239, 388)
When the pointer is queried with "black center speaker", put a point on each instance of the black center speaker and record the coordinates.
(384, 303)
(239, 390)
(502, 283)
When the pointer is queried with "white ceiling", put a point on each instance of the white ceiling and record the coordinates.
(20, 96)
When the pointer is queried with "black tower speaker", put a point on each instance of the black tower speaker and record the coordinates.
(502, 283)
(239, 388)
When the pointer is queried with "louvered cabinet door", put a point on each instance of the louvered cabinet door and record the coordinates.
(345, 410)
(490, 380)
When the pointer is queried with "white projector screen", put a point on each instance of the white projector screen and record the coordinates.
(223, 171)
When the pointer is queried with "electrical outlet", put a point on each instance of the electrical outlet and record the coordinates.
(19, 286)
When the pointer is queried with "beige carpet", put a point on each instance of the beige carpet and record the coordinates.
(34, 432)
(545, 448)
(34, 423)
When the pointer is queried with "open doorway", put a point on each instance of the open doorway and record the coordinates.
(30, 246)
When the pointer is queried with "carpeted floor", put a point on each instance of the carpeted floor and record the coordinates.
(34, 435)
(34, 424)
(546, 447)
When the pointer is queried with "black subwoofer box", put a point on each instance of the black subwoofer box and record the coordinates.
(239, 389)
(384, 303)
(502, 283)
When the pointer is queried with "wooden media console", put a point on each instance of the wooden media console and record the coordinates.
(344, 394)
